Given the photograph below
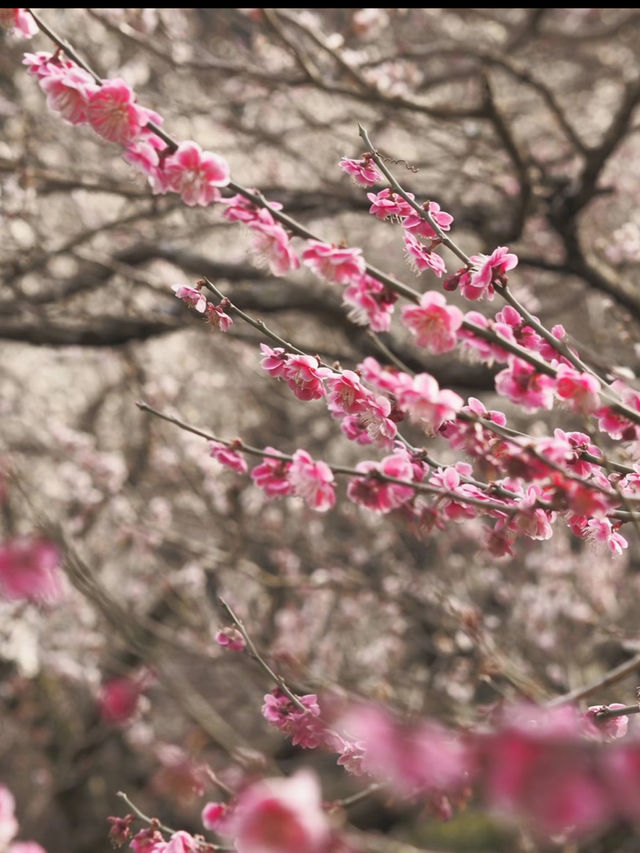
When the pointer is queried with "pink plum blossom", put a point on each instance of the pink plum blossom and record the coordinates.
(312, 481)
(302, 373)
(148, 840)
(347, 395)
(281, 816)
(196, 174)
(484, 350)
(8, 822)
(388, 203)
(304, 727)
(231, 638)
(305, 377)
(334, 264)
(68, 93)
(376, 494)
(581, 390)
(146, 153)
(26, 847)
(228, 456)
(417, 225)
(387, 379)
(537, 768)
(181, 842)
(602, 530)
(427, 404)
(217, 317)
(271, 247)
(215, 816)
(120, 830)
(433, 322)
(274, 361)
(44, 64)
(421, 258)
(523, 385)
(490, 268)
(371, 303)
(20, 20)
(238, 208)
(364, 172)
(412, 758)
(272, 476)
(29, 570)
(607, 728)
(119, 698)
(511, 325)
(113, 113)
(191, 296)
(374, 420)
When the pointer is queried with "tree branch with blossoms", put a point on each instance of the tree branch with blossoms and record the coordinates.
(575, 772)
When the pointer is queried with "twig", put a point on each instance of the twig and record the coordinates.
(258, 657)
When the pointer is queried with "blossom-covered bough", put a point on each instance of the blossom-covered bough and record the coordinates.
(550, 768)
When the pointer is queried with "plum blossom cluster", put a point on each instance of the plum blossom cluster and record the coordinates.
(278, 475)
(547, 767)
(9, 826)
(388, 204)
(214, 314)
(268, 816)
(370, 302)
(538, 481)
(488, 270)
(109, 107)
(364, 171)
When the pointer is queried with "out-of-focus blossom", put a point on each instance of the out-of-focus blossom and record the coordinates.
(215, 816)
(18, 20)
(413, 758)
(119, 698)
(281, 816)
(8, 821)
(607, 728)
(29, 570)
(232, 639)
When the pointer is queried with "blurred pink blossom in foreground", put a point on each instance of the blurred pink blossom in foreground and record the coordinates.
(29, 570)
